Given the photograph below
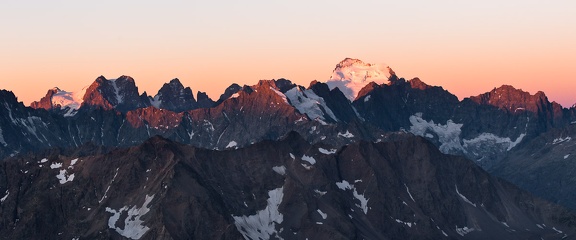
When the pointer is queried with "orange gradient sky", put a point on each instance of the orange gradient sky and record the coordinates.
(468, 48)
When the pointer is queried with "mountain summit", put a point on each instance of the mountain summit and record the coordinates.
(351, 75)
(120, 94)
(67, 102)
(174, 97)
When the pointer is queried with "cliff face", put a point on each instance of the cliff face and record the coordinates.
(46, 101)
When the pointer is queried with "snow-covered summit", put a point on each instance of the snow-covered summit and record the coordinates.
(67, 99)
(56, 98)
(351, 75)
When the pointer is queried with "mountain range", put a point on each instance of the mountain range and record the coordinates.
(364, 112)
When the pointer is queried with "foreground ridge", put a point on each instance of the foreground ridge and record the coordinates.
(402, 188)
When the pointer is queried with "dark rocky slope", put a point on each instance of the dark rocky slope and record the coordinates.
(546, 166)
(403, 188)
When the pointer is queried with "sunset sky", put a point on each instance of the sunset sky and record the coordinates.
(468, 47)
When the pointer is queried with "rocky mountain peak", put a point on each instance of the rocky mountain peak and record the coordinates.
(231, 90)
(58, 99)
(367, 89)
(8, 97)
(203, 101)
(174, 97)
(282, 84)
(124, 78)
(174, 84)
(418, 84)
(511, 98)
(46, 101)
(120, 94)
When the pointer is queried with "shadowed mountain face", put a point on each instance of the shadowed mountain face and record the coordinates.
(403, 188)
(545, 166)
(174, 97)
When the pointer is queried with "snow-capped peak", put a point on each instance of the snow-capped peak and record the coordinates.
(351, 75)
(68, 100)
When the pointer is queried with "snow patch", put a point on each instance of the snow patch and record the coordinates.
(327, 152)
(280, 94)
(448, 135)
(408, 191)
(44, 160)
(464, 197)
(280, 170)
(556, 230)
(322, 214)
(292, 156)
(232, 144)
(347, 134)
(55, 165)
(301, 119)
(119, 98)
(566, 156)
(64, 177)
(561, 140)
(108, 188)
(133, 224)
(73, 162)
(367, 98)
(320, 192)
(307, 102)
(409, 224)
(156, 101)
(262, 225)
(5, 196)
(345, 185)
(312, 129)
(463, 231)
(321, 122)
(309, 159)
(491, 138)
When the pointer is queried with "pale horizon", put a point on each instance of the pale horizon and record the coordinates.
(467, 48)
